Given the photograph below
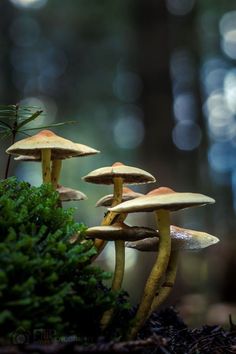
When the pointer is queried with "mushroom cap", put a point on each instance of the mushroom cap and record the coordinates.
(85, 150)
(127, 194)
(46, 139)
(120, 231)
(69, 194)
(163, 198)
(130, 175)
(181, 239)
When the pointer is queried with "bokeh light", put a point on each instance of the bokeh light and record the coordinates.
(180, 7)
(228, 32)
(32, 4)
(186, 135)
(128, 132)
(185, 106)
(222, 157)
(230, 89)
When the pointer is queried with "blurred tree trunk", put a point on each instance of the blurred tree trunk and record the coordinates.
(7, 88)
(151, 22)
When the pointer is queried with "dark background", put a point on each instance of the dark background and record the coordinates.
(152, 84)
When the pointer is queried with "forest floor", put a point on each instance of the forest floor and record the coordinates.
(164, 333)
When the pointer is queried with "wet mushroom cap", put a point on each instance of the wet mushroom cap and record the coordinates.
(69, 194)
(181, 239)
(129, 174)
(163, 198)
(46, 139)
(120, 231)
(128, 194)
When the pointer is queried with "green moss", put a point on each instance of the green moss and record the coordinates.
(45, 281)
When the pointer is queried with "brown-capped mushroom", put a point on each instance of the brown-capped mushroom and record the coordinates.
(48, 146)
(162, 201)
(68, 194)
(181, 239)
(120, 231)
(118, 174)
(127, 194)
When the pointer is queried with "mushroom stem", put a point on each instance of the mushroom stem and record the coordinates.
(119, 250)
(55, 173)
(109, 218)
(46, 165)
(168, 284)
(119, 266)
(157, 272)
(119, 244)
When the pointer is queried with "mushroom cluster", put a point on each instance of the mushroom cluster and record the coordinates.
(166, 240)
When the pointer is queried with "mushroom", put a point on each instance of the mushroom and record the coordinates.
(181, 239)
(162, 201)
(117, 174)
(120, 231)
(68, 194)
(48, 146)
(127, 194)
(56, 165)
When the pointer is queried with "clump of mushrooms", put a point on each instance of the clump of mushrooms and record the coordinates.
(162, 201)
(167, 241)
(181, 240)
(118, 174)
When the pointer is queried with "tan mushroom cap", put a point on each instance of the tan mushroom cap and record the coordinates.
(130, 175)
(181, 239)
(127, 194)
(69, 194)
(46, 139)
(120, 231)
(163, 198)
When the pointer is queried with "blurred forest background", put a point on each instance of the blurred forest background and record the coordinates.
(152, 83)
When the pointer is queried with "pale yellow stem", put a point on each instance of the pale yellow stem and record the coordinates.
(119, 250)
(157, 272)
(119, 265)
(46, 165)
(110, 217)
(168, 284)
(55, 174)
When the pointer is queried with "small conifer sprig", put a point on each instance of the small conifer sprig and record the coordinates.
(14, 120)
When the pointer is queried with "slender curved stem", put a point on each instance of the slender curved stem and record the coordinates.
(157, 272)
(168, 284)
(46, 165)
(55, 173)
(120, 252)
(119, 245)
(119, 265)
(110, 216)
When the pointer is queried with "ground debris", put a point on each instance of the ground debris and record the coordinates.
(164, 333)
(184, 340)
